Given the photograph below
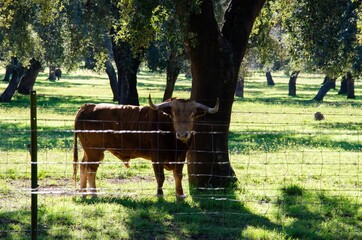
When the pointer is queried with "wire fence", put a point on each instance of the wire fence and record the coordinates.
(285, 171)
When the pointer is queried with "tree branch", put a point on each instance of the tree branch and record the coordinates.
(238, 23)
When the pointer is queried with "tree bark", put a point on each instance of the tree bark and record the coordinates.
(239, 92)
(343, 88)
(17, 73)
(215, 60)
(28, 80)
(112, 76)
(328, 85)
(328, 79)
(8, 71)
(172, 71)
(350, 86)
(52, 76)
(293, 84)
(10, 67)
(127, 65)
(269, 79)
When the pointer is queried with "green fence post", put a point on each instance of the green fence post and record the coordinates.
(34, 167)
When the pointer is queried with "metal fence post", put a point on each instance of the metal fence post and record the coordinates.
(34, 167)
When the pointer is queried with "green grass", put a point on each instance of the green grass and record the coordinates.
(298, 178)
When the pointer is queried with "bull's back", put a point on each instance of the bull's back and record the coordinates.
(126, 131)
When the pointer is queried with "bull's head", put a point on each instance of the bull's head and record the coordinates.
(183, 114)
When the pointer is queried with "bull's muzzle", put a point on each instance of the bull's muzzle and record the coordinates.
(183, 136)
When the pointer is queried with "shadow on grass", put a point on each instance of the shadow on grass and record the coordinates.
(65, 105)
(16, 136)
(315, 215)
(300, 214)
(15, 224)
(203, 218)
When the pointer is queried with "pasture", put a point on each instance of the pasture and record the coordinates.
(298, 178)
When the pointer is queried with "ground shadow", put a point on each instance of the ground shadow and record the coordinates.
(300, 214)
(12, 224)
(204, 218)
(315, 215)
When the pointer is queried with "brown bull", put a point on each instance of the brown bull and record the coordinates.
(131, 132)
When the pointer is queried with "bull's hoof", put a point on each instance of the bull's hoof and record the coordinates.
(180, 197)
(159, 192)
(159, 195)
(183, 196)
(84, 193)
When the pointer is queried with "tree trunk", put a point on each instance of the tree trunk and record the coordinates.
(293, 84)
(328, 79)
(328, 85)
(52, 76)
(215, 61)
(269, 79)
(8, 71)
(172, 71)
(350, 86)
(127, 65)
(112, 76)
(239, 92)
(343, 88)
(17, 73)
(28, 80)
(14, 63)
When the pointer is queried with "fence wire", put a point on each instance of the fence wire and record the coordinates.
(284, 170)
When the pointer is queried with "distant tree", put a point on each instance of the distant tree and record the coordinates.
(21, 41)
(163, 57)
(17, 72)
(28, 80)
(266, 43)
(324, 34)
(292, 83)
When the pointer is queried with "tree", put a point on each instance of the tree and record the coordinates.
(326, 40)
(28, 80)
(292, 84)
(20, 43)
(216, 55)
(163, 55)
(16, 74)
(26, 33)
(127, 66)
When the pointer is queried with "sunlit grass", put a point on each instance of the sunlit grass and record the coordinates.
(298, 178)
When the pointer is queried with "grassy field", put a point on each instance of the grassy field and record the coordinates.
(298, 178)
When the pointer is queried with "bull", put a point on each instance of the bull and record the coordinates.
(160, 133)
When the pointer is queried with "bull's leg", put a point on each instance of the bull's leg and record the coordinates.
(160, 177)
(83, 178)
(177, 174)
(83, 174)
(91, 175)
(88, 170)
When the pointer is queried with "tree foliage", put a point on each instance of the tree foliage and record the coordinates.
(324, 34)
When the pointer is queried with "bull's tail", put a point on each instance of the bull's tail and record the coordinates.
(75, 158)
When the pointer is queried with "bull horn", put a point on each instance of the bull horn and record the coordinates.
(208, 109)
(158, 106)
